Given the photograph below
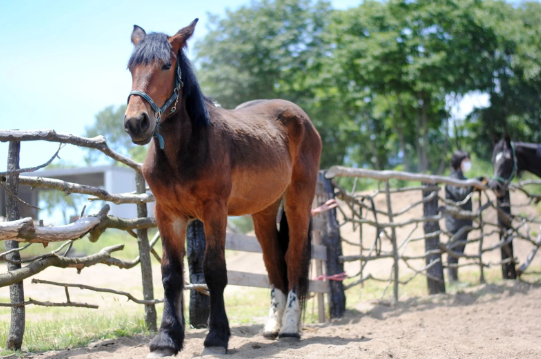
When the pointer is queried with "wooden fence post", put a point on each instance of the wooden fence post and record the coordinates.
(199, 303)
(333, 241)
(144, 255)
(396, 260)
(16, 291)
(430, 209)
(508, 269)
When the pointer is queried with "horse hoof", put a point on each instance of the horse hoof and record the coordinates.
(211, 351)
(290, 337)
(270, 335)
(161, 353)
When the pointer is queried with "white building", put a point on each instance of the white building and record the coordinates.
(113, 179)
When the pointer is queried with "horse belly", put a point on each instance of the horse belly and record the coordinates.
(253, 191)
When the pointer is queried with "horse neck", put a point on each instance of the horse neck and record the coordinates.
(176, 131)
(527, 159)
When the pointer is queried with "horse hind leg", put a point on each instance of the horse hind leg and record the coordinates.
(215, 222)
(298, 202)
(274, 248)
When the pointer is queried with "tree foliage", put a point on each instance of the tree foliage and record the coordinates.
(377, 79)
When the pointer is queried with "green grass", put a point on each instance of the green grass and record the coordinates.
(75, 329)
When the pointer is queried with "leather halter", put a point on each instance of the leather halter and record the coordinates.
(159, 111)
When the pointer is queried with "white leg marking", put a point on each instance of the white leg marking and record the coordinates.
(276, 311)
(291, 322)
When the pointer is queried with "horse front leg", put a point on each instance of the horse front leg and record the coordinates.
(215, 271)
(170, 338)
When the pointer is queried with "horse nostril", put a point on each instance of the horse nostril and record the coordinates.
(145, 123)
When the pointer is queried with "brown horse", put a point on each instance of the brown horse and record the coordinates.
(206, 163)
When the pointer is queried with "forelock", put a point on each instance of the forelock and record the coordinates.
(154, 47)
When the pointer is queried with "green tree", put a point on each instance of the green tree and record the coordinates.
(515, 97)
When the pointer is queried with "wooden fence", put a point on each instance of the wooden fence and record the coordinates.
(361, 206)
(328, 266)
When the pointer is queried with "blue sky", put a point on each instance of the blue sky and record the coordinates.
(63, 61)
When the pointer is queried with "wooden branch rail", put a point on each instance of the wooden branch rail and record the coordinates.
(98, 193)
(30, 169)
(101, 290)
(339, 171)
(31, 301)
(24, 230)
(97, 142)
(34, 268)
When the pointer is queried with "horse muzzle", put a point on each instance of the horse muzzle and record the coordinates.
(139, 128)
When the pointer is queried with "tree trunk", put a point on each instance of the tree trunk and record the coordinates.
(425, 135)
(418, 146)
(399, 129)
(199, 303)
(445, 148)
(373, 146)
(16, 291)
(144, 255)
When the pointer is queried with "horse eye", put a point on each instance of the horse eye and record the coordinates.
(167, 66)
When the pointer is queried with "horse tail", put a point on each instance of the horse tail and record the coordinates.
(306, 256)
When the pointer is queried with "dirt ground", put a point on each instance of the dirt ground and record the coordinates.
(489, 321)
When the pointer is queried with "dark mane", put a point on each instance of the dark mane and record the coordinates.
(196, 102)
(155, 47)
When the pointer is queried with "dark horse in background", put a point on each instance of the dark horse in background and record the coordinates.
(206, 163)
(509, 159)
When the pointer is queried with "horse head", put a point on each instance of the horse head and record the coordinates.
(504, 160)
(156, 66)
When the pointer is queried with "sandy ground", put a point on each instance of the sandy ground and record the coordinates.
(484, 322)
(489, 321)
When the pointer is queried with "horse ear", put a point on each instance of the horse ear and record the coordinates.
(507, 139)
(137, 34)
(178, 40)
